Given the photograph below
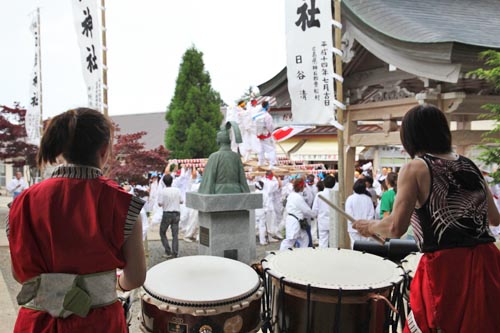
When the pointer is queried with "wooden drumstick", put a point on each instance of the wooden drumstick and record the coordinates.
(349, 217)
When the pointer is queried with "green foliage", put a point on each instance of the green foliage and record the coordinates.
(193, 115)
(491, 153)
(248, 94)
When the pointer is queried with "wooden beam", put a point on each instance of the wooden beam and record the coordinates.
(466, 138)
(394, 109)
(472, 105)
(374, 139)
(375, 76)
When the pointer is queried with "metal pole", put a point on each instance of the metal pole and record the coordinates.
(104, 59)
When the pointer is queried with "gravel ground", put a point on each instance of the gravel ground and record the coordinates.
(155, 250)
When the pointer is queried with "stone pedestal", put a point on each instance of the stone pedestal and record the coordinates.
(227, 224)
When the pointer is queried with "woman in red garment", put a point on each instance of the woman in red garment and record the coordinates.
(456, 287)
(69, 234)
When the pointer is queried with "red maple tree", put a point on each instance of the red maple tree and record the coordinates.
(131, 162)
(14, 148)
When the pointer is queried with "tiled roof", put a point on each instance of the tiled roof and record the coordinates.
(332, 130)
(431, 21)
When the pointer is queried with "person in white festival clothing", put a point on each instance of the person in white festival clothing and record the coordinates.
(169, 199)
(310, 191)
(272, 204)
(264, 128)
(261, 220)
(297, 210)
(17, 185)
(248, 132)
(360, 206)
(191, 227)
(322, 211)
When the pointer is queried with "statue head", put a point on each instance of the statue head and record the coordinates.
(223, 136)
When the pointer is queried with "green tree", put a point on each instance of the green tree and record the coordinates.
(491, 152)
(194, 114)
(248, 94)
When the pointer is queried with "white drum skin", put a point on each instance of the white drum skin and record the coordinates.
(201, 294)
(328, 275)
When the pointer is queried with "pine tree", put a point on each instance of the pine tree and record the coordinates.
(491, 153)
(194, 114)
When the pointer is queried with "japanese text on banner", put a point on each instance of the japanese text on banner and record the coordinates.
(310, 61)
(85, 14)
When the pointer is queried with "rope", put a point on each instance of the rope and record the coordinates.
(308, 315)
(338, 312)
(283, 328)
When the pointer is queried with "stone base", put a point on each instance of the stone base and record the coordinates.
(227, 224)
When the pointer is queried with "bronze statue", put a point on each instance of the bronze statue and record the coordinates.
(224, 171)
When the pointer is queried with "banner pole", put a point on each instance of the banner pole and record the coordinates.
(342, 239)
(104, 59)
(40, 98)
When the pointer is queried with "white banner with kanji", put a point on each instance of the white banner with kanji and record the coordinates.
(310, 69)
(86, 13)
(33, 111)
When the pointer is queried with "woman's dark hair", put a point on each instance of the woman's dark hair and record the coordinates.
(359, 186)
(425, 129)
(76, 134)
(392, 179)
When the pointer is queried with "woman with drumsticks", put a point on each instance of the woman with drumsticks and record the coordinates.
(443, 195)
(69, 234)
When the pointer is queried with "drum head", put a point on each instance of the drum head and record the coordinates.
(410, 263)
(199, 280)
(329, 268)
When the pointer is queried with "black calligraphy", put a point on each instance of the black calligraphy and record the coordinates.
(87, 23)
(307, 16)
(34, 100)
(91, 60)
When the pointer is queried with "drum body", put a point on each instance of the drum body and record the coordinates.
(201, 294)
(328, 290)
(410, 264)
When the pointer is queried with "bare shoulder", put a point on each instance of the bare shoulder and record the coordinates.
(416, 176)
(415, 168)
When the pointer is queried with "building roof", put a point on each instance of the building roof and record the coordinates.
(439, 40)
(430, 21)
(332, 130)
(153, 123)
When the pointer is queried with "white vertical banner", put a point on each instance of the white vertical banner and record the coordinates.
(86, 13)
(33, 111)
(309, 42)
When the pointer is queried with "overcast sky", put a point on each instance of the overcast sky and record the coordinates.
(243, 43)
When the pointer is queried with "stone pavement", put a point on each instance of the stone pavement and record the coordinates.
(9, 287)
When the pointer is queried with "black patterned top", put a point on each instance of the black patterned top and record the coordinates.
(456, 212)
